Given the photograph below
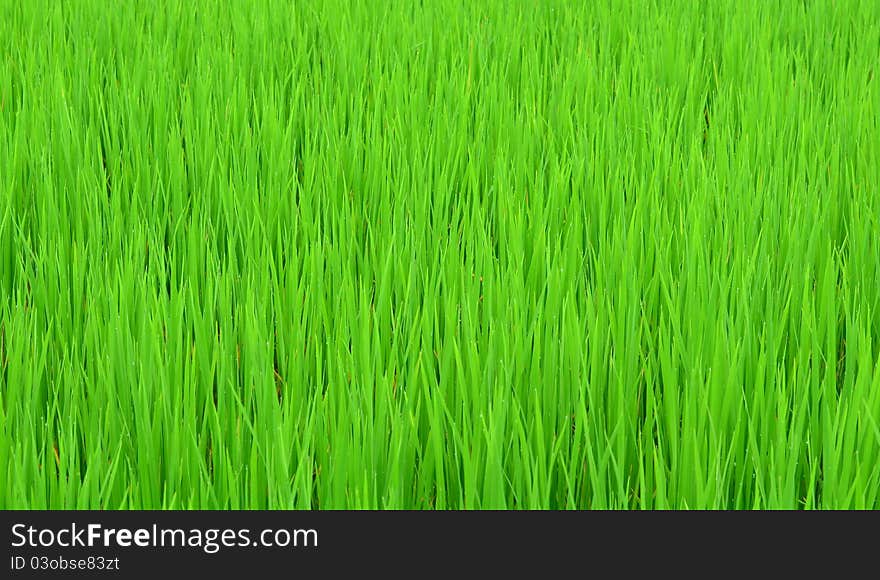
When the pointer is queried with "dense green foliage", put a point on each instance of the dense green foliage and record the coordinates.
(440, 254)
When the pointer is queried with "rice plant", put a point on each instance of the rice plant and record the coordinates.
(535, 254)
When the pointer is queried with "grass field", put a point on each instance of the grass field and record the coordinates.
(440, 254)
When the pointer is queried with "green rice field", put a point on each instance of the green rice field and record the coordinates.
(543, 254)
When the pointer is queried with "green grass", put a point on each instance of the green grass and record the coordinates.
(440, 254)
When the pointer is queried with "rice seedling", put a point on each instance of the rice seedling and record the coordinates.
(439, 255)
